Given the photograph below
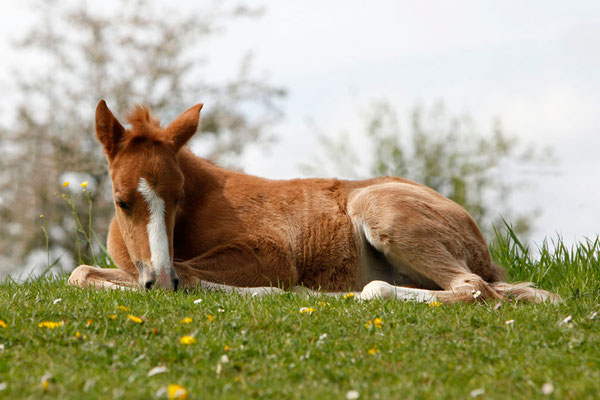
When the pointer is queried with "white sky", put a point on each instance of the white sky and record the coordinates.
(533, 64)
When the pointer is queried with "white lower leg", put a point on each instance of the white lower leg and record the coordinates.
(383, 290)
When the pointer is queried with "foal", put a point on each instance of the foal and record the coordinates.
(181, 221)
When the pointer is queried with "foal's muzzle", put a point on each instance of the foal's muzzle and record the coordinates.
(164, 278)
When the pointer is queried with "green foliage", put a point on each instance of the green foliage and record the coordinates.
(446, 153)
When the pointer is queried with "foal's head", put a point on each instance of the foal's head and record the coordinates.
(147, 185)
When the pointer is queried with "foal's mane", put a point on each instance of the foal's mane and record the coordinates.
(144, 126)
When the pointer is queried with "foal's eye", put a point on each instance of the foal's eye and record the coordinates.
(122, 204)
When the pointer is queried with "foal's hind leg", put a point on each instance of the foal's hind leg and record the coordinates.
(425, 237)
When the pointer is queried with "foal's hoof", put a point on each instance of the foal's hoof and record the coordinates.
(377, 290)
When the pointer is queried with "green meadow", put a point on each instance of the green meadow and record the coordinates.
(108, 344)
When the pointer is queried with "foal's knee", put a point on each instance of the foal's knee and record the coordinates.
(79, 276)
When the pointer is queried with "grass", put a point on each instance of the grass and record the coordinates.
(275, 351)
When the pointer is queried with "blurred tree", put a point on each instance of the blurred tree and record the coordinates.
(136, 52)
(445, 153)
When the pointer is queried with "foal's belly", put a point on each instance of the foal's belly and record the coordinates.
(326, 253)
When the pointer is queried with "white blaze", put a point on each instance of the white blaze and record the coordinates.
(157, 230)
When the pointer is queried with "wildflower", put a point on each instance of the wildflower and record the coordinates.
(210, 318)
(307, 310)
(509, 322)
(46, 382)
(175, 391)
(89, 322)
(377, 323)
(197, 301)
(186, 320)
(3, 324)
(135, 319)
(66, 184)
(547, 388)
(476, 293)
(348, 295)
(188, 340)
(227, 348)
(41, 216)
(84, 184)
(51, 324)
(567, 319)
(123, 308)
(112, 316)
(476, 392)
(221, 310)
(224, 359)
(435, 304)
(352, 395)
(323, 304)
(593, 315)
(373, 351)
(157, 370)
(56, 301)
(64, 196)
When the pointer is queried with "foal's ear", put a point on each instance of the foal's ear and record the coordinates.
(182, 129)
(108, 130)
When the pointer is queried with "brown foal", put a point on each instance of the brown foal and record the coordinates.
(182, 221)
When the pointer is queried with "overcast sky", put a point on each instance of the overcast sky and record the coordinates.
(533, 64)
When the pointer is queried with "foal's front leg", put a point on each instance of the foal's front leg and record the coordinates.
(107, 278)
(240, 265)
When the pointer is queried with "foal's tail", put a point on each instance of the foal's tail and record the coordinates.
(522, 291)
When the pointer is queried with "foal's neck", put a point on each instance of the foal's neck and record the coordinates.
(201, 176)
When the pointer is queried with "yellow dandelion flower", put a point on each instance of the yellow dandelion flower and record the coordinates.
(349, 295)
(66, 184)
(188, 340)
(323, 304)
(378, 323)
(210, 318)
(227, 348)
(373, 351)
(64, 196)
(41, 216)
(3, 324)
(46, 382)
(135, 319)
(186, 320)
(77, 334)
(89, 322)
(307, 310)
(112, 316)
(175, 391)
(123, 308)
(435, 304)
(51, 324)
(84, 184)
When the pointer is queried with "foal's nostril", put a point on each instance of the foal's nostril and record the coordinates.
(175, 284)
(149, 284)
